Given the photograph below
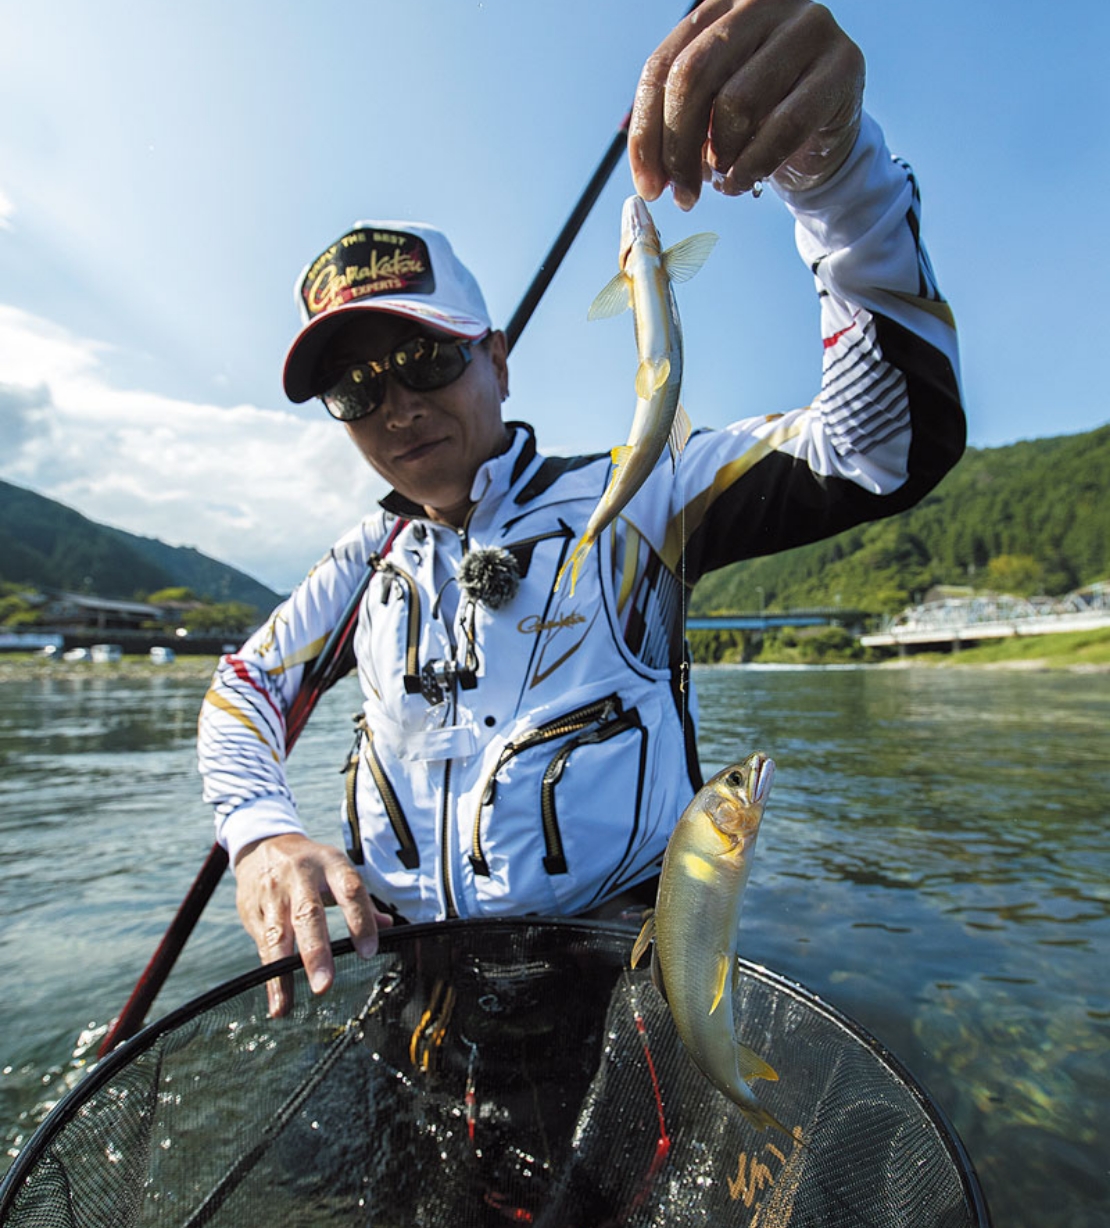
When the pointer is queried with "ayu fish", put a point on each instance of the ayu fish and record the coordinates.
(644, 283)
(697, 914)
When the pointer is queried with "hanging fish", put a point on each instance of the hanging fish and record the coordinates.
(697, 913)
(644, 283)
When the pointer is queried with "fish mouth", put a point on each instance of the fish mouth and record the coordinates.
(636, 226)
(760, 773)
(752, 782)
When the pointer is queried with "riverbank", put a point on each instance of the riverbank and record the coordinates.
(1081, 651)
(23, 665)
(1078, 651)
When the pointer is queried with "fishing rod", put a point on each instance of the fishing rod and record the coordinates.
(550, 265)
(334, 660)
(333, 663)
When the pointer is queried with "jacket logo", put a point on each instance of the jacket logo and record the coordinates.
(534, 624)
(547, 636)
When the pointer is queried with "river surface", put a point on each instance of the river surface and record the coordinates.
(935, 862)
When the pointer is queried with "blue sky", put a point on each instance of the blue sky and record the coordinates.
(167, 169)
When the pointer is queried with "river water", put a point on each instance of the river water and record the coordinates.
(934, 862)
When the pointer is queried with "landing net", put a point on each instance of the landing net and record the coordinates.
(488, 1073)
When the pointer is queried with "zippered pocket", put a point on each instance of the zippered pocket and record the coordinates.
(390, 572)
(407, 850)
(592, 716)
(555, 861)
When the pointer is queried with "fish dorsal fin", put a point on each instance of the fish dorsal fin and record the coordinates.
(614, 297)
(651, 376)
(724, 967)
(752, 1066)
(687, 256)
(643, 939)
(681, 430)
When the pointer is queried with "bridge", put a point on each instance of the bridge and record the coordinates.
(959, 620)
(764, 621)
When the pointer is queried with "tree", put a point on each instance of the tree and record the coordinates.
(232, 618)
(1018, 574)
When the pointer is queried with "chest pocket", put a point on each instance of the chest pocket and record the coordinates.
(591, 725)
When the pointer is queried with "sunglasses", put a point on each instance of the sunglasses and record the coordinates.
(420, 363)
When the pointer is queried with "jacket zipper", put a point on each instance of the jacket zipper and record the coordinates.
(407, 850)
(350, 775)
(599, 711)
(450, 911)
(555, 861)
(412, 637)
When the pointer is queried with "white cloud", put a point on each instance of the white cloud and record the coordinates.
(6, 210)
(262, 489)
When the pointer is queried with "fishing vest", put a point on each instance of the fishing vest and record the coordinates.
(514, 758)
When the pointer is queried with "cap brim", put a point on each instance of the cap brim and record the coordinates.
(299, 377)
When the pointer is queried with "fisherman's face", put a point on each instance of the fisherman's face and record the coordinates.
(428, 445)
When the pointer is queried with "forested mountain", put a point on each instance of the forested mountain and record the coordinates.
(1027, 518)
(45, 544)
(1030, 517)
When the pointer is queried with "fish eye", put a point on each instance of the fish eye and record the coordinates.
(735, 778)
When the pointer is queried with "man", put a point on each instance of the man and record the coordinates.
(527, 751)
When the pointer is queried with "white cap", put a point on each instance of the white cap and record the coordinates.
(401, 268)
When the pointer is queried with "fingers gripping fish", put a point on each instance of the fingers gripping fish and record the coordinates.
(697, 913)
(644, 283)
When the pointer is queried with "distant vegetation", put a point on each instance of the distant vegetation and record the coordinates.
(45, 545)
(1030, 518)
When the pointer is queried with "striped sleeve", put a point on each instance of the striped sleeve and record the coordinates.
(241, 735)
(887, 423)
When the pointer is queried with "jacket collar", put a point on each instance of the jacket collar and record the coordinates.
(494, 479)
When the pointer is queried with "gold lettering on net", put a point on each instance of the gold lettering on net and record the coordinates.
(751, 1177)
(777, 1209)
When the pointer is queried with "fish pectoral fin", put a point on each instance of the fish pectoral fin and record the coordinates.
(643, 939)
(612, 299)
(619, 456)
(681, 430)
(724, 968)
(752, 1066)
(688, 255)
(651, 376)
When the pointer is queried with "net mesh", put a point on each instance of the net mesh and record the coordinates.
(484, 1073)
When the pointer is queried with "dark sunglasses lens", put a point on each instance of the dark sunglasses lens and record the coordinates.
(421, 364)
(424, 364)
(357, 394)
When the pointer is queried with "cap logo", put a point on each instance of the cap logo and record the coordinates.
(365, 263)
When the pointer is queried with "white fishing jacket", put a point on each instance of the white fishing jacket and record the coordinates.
(533, 758)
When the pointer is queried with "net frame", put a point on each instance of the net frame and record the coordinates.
(633, 1002)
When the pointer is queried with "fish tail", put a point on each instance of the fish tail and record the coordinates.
(577, 558)
(764, 1119)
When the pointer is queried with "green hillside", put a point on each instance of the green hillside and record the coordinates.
(45, 544)
(1030, 517)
